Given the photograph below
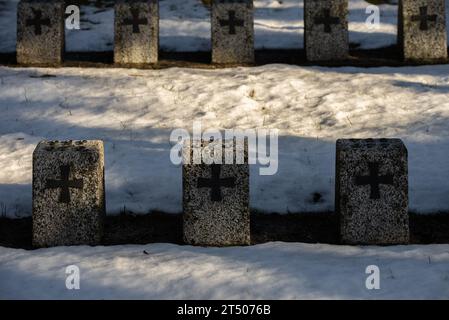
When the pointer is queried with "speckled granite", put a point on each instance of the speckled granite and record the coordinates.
(326, 29)
(422, 30)
(216, 212)
(40, 32)
(136, 32)
(232, 25)
(68, 193)
(372, 191)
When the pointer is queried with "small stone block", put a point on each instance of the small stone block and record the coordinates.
(232, 25)
(371, 191)
(136, 32)
(216, 196)
(326, 30)
(68, 193)
(40, 32)
(422, 30)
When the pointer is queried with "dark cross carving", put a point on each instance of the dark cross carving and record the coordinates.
(38, 22)
(135, 21)
(65, 184)
(327, 20)
(424, 18)
(374, 180)
(232, 22)
(215, 183)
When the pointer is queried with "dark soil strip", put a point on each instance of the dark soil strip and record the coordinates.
(167, 228)
(389, 56)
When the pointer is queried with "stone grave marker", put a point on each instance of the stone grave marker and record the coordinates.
(68, 193)
(372, 191)
(232, 25)
(422, 30)
(326, 29)
(40, 32)
(136, 32)
(216, 197)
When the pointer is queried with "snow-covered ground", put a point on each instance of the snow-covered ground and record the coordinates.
(134, 112)
(185, 26)
(269, 271)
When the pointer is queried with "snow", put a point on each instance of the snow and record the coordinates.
(185, 26)
(267, 271)
(134, 112)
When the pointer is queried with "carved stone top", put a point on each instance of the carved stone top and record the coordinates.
(75, 145)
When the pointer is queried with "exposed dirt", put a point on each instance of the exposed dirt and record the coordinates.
(390, 56)
(167, 228)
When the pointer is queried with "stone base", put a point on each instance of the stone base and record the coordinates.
(136, 43)
(40, 32)
(326, 41)
(232, 25)
(74, 215)
(216, 216)
(372, 191)
(422, 42)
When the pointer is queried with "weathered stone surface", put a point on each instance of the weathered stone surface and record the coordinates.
(232, 25)
(68, 193)
(326, 29)
(216, 198)
(422, 30)
(40, 32)
(372, 191)
(136, 32)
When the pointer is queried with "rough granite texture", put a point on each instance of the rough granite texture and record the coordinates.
(372, 213)
(422, 30)
(216, 216)
(136, 32)
(326, 29)
(232, 25)
(40, 32)
(75, 217)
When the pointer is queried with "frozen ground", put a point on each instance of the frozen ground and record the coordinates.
(134, 112)
(269, 271)
(185, 26)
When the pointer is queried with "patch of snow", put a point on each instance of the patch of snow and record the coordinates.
(268, 271)
(134, 112)
(8, 25)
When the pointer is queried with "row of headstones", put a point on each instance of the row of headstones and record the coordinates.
(421, 31)
(69, 193)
